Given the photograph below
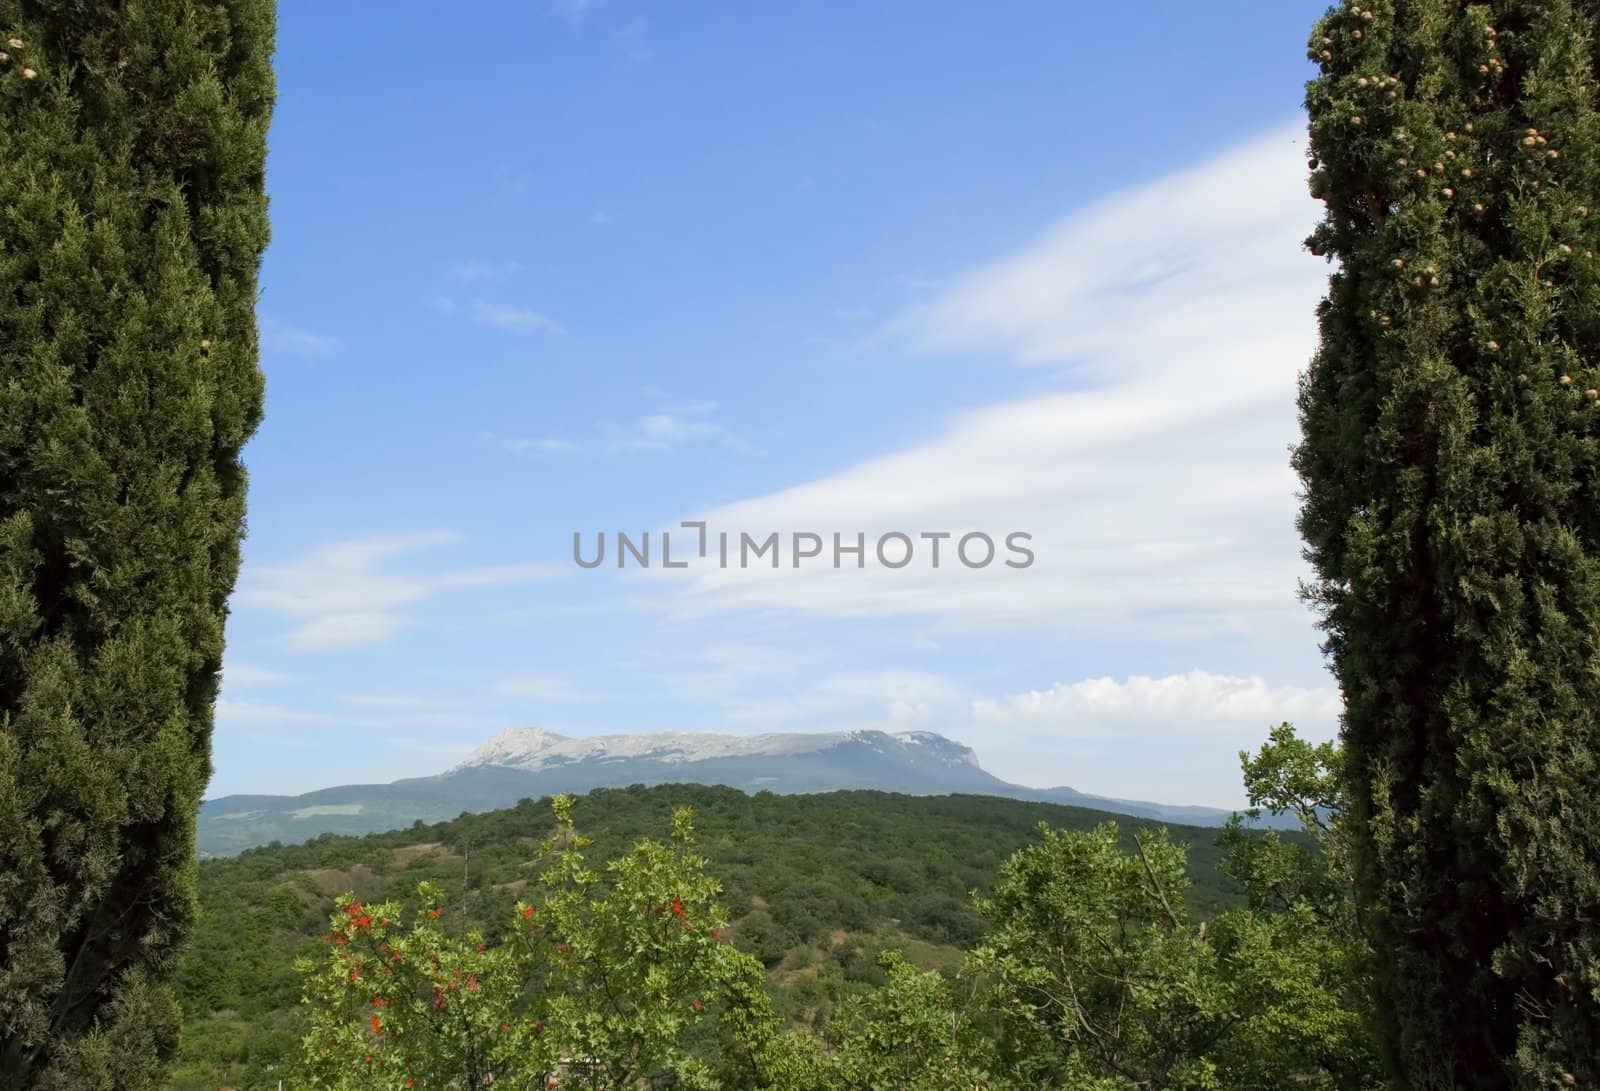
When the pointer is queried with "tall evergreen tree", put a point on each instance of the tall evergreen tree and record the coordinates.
(1451, 466)
(132, 221)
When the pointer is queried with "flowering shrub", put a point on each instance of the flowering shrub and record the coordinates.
(603, 979)
(1093, 976)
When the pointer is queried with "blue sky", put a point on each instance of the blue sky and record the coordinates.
(548, 267)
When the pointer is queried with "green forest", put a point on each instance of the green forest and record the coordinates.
(817, 887)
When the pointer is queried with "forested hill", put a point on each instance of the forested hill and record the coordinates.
(817, 885)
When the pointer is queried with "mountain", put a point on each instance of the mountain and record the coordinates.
(530, 762)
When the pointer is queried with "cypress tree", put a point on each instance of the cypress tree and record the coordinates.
(132, 221)
(1451, 469)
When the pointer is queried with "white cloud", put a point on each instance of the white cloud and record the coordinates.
(237, 676)
(538, 687)
(1198, 702)
(1154, 477)
(345, 594)
(514, 318)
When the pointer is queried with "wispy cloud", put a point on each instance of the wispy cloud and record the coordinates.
(720, 672)
(1154, 476)
(890, 698)
(501, 316)
(671, 424)
(384, 700)
(539, 687)
(279, 336)
(530, 446)
(675, 422)
(231, 713)
(346, 630)
(664, 431)
(236, 676)
(345, 593)
(516, 319)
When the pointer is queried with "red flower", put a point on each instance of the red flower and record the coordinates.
(340, 941)
(354, 909)
(377, 1025)
(433, 914)
(379, 1002)
(505, 1028)
(483, 947)
(527, 914)
(677, 908)
(716, 934)
(697, 1004)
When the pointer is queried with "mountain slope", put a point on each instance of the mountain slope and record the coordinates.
(528, 763)
(816, 887)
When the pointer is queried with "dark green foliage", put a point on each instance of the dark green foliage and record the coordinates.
(1451, 462)
(132, 220)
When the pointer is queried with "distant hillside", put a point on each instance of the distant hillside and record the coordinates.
(816, 885)
(527, 763)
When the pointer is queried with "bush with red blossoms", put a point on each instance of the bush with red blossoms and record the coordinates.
(610, 978)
